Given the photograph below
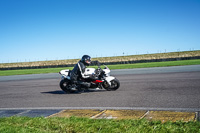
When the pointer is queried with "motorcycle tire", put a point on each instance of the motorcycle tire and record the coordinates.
(64, 85)
(115, 84)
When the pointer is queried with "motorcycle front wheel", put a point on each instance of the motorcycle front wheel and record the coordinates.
(65, 85)
(115, 84)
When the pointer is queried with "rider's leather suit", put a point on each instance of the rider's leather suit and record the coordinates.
(78, 72)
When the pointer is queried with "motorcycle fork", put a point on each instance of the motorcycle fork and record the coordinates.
(100, 86)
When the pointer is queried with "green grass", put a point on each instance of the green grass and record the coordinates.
(30, 71)
(156, 64)
(86, 125)
(121, 66)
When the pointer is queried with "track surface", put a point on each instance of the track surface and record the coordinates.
(160, 88)
(153, 88)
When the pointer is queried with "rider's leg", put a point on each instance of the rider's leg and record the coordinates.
(84, 84)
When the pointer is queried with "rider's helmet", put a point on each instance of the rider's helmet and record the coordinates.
(86, 59)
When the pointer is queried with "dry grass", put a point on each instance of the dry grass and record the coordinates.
(105, 59)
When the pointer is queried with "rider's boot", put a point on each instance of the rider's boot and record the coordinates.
(73, 87)
(85, 84)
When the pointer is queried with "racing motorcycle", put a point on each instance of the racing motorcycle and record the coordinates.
(102, 80)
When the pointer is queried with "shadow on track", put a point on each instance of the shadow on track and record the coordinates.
(62, 92)
(54, 92)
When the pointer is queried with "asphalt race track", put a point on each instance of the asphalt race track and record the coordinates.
(145, 88)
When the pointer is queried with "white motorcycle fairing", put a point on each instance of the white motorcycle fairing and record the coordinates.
(109, 79)
(64, 74)
(89, 71)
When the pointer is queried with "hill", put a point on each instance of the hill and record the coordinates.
(184, 55)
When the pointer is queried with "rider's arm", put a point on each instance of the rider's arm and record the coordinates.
(82, 70)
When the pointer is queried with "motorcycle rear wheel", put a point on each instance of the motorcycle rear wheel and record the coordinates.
(115, 84)
(65, 85)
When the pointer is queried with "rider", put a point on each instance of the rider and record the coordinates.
(79, 72)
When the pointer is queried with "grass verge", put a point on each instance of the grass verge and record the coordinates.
(120, 66)
(82, 125)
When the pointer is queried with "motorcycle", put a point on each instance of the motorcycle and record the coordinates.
(102, 80)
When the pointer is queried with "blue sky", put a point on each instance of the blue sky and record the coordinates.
(37, 30)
